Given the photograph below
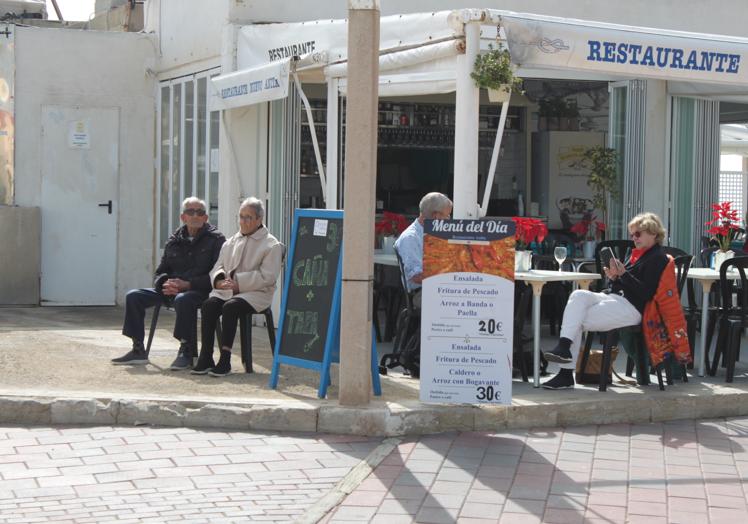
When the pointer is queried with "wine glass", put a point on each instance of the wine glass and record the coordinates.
(559, 253)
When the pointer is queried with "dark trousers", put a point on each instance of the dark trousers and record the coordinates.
(185, 304)
(212, 309)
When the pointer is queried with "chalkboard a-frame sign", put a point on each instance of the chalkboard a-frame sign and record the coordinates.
(309, 325)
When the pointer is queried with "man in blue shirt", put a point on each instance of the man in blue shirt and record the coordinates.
(410, 242)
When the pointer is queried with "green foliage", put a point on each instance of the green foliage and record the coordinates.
(557, 107)
(603, 178)
(494, 68)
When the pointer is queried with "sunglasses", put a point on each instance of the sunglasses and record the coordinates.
(636, 234)
(193, 212)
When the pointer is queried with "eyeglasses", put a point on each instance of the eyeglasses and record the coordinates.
(192, 212)
(247, 218)
(636, 234)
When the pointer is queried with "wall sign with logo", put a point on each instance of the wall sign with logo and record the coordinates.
(467, 312)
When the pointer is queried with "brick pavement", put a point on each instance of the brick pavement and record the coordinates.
(679, 472)
(143, 474)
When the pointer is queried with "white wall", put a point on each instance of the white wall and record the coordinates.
(188, 34)
(721, 17)
(93, 69)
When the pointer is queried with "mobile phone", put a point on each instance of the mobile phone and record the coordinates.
(606, 254)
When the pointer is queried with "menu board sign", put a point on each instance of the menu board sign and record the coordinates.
(467, 311)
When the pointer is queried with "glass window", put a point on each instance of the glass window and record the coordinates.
(164, 183)
(202, 143)
(187, 137)
(176, 113)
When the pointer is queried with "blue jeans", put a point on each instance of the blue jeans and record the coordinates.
(185, 304)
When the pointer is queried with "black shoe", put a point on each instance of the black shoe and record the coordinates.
(561, 381)
(203, 366)
(559, 355)
(222, 369)
(183, 361)
(135, 356)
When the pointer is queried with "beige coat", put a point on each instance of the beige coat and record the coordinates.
(254, 262)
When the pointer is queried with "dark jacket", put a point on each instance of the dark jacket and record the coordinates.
(190, 260)
(639, 283)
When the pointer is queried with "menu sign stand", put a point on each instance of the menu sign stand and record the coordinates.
(309, 325)
(467, 315)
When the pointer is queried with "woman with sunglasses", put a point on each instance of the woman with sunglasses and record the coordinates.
(632, 285)
(243, 279)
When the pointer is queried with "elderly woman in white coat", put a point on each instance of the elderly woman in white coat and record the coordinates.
(243, 281)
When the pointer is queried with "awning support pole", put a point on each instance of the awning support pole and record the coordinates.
(331, 197)
(467, 105)
(313, 131)
(494, 159)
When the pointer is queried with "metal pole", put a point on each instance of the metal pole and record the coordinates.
(331, 191)
(57, 10)
(467, 104)
(358, 225)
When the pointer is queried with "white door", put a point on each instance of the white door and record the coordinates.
(80, 164)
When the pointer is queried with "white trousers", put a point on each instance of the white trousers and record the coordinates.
(589, 311)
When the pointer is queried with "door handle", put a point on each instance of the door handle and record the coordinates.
(107, 205)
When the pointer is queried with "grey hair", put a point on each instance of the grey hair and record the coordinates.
(256, 204)
(193, 200)
(433, 203)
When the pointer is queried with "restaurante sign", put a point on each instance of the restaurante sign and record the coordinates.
(674, 58)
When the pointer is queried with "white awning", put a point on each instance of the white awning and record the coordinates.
(734, 139)
(544, 42)
(250, 86)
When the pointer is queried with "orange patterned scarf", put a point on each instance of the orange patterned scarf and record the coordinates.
(663, 323)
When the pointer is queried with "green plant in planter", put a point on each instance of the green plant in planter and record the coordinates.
(603, 178)
(494, 69)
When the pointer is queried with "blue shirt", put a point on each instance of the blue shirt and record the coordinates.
(410, 247)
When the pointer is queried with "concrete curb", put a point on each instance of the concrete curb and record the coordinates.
(378, 419)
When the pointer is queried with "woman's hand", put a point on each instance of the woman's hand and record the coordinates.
(229, 283)
(615, 270)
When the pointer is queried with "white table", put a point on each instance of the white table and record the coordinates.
(537, 279)
(706, 277)
(385, 259)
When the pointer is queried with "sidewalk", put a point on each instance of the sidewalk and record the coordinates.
(56, 370)
(676, 472)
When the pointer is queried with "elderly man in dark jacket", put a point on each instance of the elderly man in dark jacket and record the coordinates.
(182, 279)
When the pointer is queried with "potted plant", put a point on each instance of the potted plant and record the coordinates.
(493, 70)
(527, 230)
(723, 228)
(603, 178)
(388, 228)
(589, 231)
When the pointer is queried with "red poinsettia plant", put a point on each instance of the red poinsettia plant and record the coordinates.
(391, 224)
(528, 230)
(589, 228)
(724, 224)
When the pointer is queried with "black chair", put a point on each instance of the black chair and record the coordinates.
(245, 330)
(406, 344)
(167, 303)
(732, 317)
(673, 251)
(682, 265)
(387, 296)
(245, 336)
(523, 297)
(556, 294)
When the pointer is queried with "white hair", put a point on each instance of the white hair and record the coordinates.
(256, 204)
(193, 200)
(433, 203)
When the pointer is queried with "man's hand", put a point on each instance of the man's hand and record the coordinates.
(174, 286)
(417, 278)
(229, 283)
